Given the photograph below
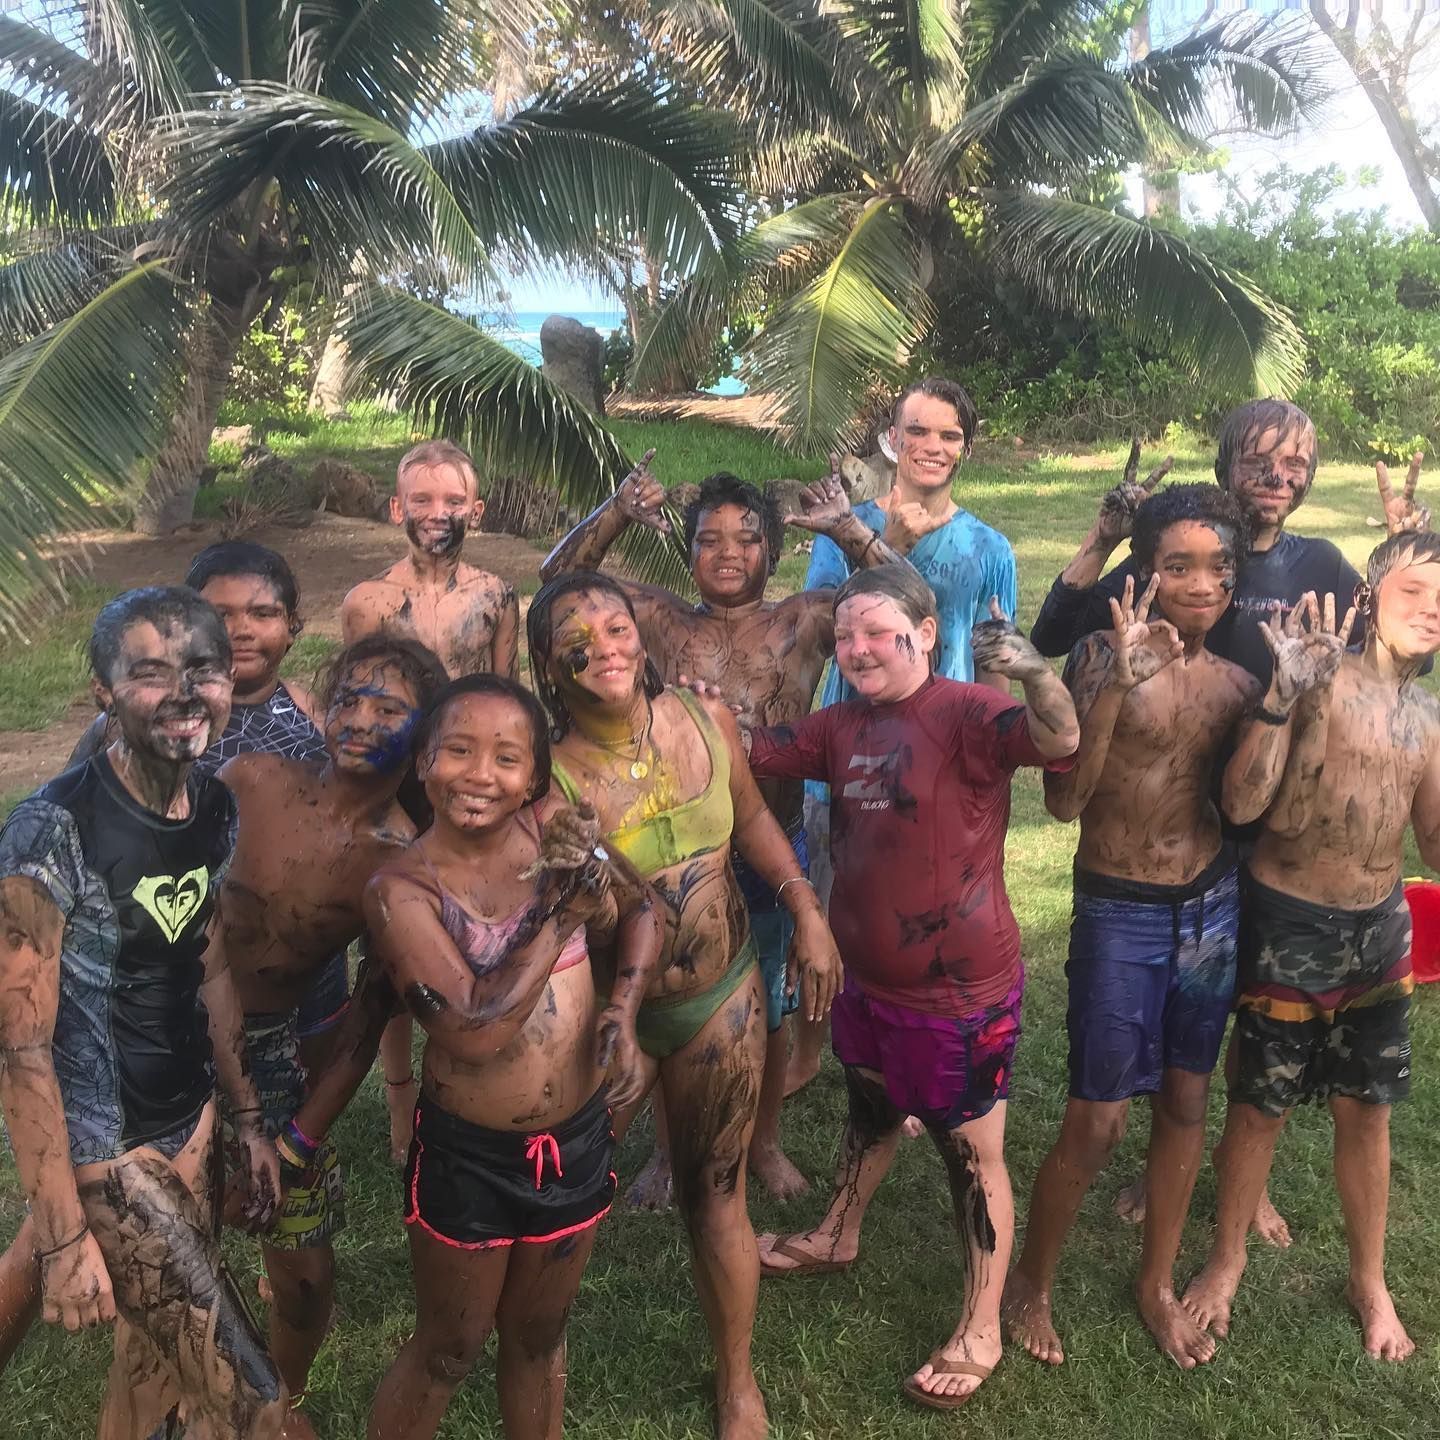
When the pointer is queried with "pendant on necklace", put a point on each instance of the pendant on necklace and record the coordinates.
(639, 770)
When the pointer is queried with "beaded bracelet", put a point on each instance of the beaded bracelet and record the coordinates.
(79, 1235)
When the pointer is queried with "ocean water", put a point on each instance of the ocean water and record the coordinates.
(523, 337)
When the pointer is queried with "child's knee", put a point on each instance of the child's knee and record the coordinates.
(449, 1358)
(535, 1335)
(1095, 1133)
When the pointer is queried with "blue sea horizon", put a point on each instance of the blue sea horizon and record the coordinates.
(523, 337)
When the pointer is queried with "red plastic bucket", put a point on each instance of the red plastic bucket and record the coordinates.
(1423, 897)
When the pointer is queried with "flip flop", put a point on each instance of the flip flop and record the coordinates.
(805, 1263)
(917, 1393)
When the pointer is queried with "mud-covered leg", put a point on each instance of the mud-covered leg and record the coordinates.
(712, 1088)
(19, 1292)
(181, 1335)
(540, 1288)
(974, 1156)
(456, 1292)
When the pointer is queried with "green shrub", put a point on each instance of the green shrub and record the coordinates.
(274, 369)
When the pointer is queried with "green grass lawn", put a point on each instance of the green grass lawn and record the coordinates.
(831, 1352)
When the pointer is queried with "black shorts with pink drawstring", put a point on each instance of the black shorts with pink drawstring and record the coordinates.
(479, 1189)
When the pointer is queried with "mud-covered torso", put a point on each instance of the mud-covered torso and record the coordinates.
(1152, 816)
(292, 896)
(1378, 745)
(674, 825)
(457, 621)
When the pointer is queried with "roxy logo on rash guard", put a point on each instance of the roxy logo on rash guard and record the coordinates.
(171, 902)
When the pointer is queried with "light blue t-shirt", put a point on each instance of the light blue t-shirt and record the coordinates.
(964, 562)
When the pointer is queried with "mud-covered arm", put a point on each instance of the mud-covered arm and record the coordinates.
(825, 510)
(640, 935)
(638, 499)
(31, 928)
(1088, 677)
(373, 1004)
(507, 636)
(495, 995)
(758, 837)
(1425, 810)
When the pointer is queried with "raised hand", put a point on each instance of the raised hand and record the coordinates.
(908, 522)
(1307, 649)
(1401, 511)
(1116, 518)
(1001, 649)
(1142, 647)
(640, 496)
(824, 504)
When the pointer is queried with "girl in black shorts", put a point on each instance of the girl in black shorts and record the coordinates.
(482, 929)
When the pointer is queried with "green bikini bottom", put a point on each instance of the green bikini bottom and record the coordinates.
(665, 1026)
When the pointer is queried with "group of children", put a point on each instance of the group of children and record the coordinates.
(600, 895)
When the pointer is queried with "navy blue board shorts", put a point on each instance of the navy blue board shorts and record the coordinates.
(772, 928)
(1152, 978)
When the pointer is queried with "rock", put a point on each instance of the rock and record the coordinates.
(786, 494)
(345, 489)
(868, 478)
(274, 488)
(574, 359)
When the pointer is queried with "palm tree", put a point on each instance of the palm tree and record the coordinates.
(890, 130)
(221, 153)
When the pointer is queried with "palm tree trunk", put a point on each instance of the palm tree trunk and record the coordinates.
(327, 394)
(168, 500)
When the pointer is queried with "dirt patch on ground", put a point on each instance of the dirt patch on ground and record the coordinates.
(328, 557)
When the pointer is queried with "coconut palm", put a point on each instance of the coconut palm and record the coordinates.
(226, 151)
(890, 129)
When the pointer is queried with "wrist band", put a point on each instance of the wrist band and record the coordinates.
(79, 1235)
(794, 880)
(289, 1160)
(299, 1141)
(396, 1084)
(1269, 717)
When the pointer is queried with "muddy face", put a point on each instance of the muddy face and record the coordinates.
(1271, 476)
(370, 720)
(261, 630)
(880, 650)
(928, 442)
(479, 769)
(597, 657)
(170, 689)
(1405, 611)
(729, 557)
(436, 504)
(1196, 565)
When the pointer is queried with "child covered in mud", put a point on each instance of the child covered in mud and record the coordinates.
(919, 771)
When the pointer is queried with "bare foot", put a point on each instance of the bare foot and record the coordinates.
(653, 1188)
(400, 1100)
(1026, 1313)
(1269, 1224)
(1385, 1337)
(776, 1172)
(912, 1128)
(979, 1348)
(800, 1070)
(1130, 1202)
(742, 1416)
(1174, 1329)
(1208, 1297)
(820, 1247)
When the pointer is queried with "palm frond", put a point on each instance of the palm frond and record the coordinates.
(773, 61)
(850, 328)
(460, 382)
(402, 61)
(352, 182)
(1151, 285)
(913, 47)
(59, 273)
(1064, 118)
(53, 164)
(1004, 38)
(600, 161)
(1268, 73)
(164, 48)
(766, 264)
(71, 430)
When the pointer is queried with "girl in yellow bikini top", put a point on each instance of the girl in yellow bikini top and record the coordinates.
(692, 828)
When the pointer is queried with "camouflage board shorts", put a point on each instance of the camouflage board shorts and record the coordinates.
(1324, 1001)
(314, 1211)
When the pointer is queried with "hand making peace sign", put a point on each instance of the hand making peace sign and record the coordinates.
(1401, 511)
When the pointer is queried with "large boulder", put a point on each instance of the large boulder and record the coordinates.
(574, 359)
(346, 490)
(869, 478)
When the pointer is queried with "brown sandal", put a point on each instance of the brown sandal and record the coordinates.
(941, 1366)
(805, 1263)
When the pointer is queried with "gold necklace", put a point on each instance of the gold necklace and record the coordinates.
(638, 768)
